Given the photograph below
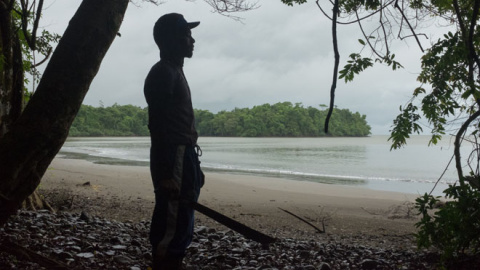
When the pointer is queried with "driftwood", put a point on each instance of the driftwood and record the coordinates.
(23, 253)
(308, 223)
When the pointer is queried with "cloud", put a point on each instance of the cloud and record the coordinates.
(277, 54)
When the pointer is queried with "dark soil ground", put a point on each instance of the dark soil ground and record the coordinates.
(112, 233)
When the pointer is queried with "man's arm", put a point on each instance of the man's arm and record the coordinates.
(171, 186)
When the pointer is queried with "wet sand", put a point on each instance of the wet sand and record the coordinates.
(126, 193)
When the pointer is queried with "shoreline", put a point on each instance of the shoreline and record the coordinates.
(364, 163)
(126, 193)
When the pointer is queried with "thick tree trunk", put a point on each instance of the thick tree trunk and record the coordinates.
(12, 84)
(33, 141)
(7, 67)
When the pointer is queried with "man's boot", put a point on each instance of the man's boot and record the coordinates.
(167, 263)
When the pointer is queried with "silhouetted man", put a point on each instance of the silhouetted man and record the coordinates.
(174, 165)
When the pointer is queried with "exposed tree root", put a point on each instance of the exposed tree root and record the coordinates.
(23, 253)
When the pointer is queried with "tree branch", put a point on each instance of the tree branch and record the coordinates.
(311, 225)
(24, 14)
(468, 41)
(461, 131)
(37, 16)
(404, 37)
(463, 30)
(337, 61)
(441, 176)
(351, 22)
(460, 19)
(24, 19)
(224, 7)
(368, 40)
(473, 54)
(409, 25)
(384, 31)
(49, 52)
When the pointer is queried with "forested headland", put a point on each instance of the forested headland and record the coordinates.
(278, 120)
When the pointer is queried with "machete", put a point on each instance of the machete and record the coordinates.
(246, 231)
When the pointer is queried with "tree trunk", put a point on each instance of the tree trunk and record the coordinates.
(7, 68)
(36, 137)
(12, 85)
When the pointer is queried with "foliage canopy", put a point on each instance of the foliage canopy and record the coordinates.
(278, 120)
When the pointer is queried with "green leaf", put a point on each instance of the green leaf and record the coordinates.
(291, 2)
(418, 91)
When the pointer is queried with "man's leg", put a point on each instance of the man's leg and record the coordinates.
(162, 231)
(164, 165)
(172, 222)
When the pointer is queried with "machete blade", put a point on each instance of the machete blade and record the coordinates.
(246, 231)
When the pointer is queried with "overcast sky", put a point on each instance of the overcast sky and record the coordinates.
(277, 54)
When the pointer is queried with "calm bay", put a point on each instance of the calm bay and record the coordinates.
(365, 162)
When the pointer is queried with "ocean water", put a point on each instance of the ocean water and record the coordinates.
(366, 162)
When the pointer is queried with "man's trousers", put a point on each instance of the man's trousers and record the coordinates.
(171, 230)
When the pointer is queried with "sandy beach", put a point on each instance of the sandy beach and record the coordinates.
(103, 214)
(125, 193)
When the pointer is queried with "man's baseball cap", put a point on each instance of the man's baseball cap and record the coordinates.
(170, 24)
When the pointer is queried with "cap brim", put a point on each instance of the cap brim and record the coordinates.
(192, 24)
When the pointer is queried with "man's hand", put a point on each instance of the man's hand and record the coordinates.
(172, 186)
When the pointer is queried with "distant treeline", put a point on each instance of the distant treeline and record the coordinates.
(117, 120)
(279, 120)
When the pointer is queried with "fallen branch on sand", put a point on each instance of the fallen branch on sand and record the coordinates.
(315, 227)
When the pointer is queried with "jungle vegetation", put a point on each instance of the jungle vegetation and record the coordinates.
(278, 120)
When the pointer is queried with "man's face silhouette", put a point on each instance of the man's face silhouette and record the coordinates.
(184, 44)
